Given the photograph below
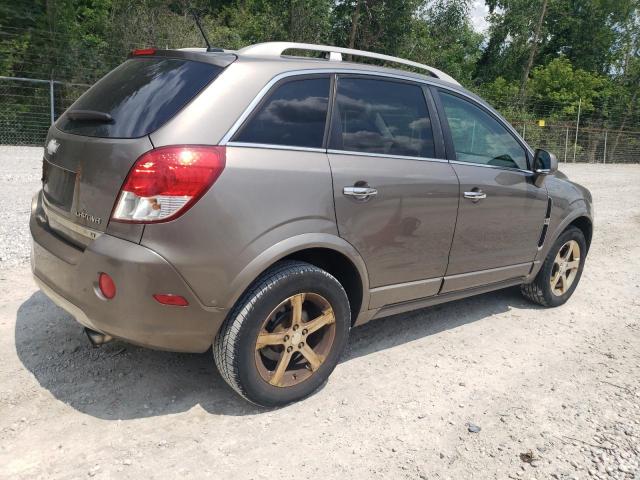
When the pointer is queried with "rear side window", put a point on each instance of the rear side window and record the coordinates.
(294, 115)
(140, 95)
(380, 116)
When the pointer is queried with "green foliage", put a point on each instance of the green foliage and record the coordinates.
(588, 51)
(511, 26)
(383, 26)
(500, 92)
(587, 32)
(442, 36)
(562, 87)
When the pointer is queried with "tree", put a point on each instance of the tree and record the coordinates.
(511, 23)
(527, 33)
(378, 25)
(533, 50)
(586, 32)
(557, 88)
(442, 36)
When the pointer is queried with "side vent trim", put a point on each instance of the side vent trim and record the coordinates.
(547, 221)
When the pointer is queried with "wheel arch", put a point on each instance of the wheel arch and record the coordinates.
(578, 215)
(584, 224)
(338, 265)
(329, 252)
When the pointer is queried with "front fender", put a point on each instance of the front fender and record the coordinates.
(292, 245)
(558, 224)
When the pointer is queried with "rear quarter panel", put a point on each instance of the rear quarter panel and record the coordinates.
(206, 119)
(262, 198)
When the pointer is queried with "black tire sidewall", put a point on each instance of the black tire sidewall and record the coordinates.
(308, 280)
(545, 274)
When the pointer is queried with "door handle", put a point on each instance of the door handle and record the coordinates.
(359, 193)
(475, 195)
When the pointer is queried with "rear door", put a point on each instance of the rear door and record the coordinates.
(501, 211)
(396, 197)
(93, 145)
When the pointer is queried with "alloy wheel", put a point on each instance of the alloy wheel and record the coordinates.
(565, 268)
(295, 339)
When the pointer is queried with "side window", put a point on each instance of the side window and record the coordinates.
(379, 116)
(480, 138)
(294, 115)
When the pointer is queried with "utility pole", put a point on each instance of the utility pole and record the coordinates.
(575, 143)
(52, 105)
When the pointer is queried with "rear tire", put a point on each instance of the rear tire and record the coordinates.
(285, 335)
(561, 271)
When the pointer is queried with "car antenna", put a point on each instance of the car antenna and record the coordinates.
(204, 35)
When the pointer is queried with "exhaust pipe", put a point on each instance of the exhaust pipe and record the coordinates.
(96, 338)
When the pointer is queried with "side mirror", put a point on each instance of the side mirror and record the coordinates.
(544, 163)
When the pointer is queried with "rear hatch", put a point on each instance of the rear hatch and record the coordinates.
(94, 144)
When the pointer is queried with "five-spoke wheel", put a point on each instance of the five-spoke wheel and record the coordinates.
(561, 270)
(285, 335)
(295, 339)
(565, 268)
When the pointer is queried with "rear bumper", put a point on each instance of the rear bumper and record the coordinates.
(68, 275)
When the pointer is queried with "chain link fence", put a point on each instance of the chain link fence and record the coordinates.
(28, 107)
(573, 142)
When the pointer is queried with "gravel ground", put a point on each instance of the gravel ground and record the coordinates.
(555, 393)
(20, 172)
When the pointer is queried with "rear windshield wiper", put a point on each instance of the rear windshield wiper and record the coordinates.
(90, 116)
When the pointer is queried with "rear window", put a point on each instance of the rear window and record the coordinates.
(140, 95)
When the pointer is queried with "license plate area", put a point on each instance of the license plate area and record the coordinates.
(58, 185)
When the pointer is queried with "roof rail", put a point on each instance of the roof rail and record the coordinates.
(335, 54)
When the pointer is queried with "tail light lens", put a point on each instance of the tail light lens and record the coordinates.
(165, 182)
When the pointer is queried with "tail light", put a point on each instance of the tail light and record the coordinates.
(165, 182)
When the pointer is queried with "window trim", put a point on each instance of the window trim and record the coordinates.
(275, 146)
(433, 85)
(262, 98)
(226, 139)
(444, 120)
(385, 155)
(333, 87)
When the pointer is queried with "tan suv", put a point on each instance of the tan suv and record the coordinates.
(265, 204)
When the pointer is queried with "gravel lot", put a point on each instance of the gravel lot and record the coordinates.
(20, 172)
(556, 393)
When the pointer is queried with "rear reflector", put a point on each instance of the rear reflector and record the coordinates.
(143, 51)
(165, 182)
(170, 299)
(107, 286)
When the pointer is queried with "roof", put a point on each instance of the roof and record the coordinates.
(332, 56)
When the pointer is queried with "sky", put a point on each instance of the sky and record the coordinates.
(478, 13)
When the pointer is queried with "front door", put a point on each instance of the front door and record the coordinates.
(396, 197)
(501, 212)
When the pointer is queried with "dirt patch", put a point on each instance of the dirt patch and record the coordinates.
(554, 393)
